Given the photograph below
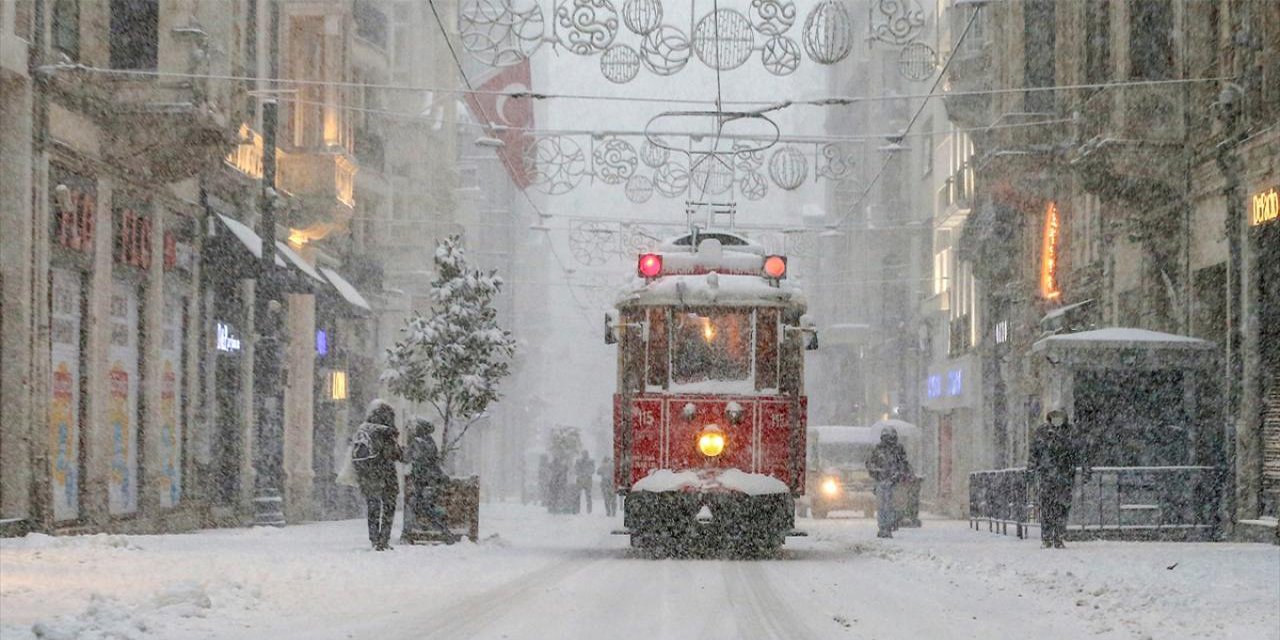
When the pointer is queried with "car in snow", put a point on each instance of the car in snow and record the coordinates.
(837, 461)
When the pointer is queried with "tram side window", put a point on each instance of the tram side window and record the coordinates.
(767, 349)
(659, 348)
(711, 344)
(631, 354)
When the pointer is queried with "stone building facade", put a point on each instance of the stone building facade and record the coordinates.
(133, 137)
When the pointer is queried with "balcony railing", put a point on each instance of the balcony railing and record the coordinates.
(1122, 502)
(327, 175)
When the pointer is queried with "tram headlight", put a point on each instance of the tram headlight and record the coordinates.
(711, 441)
(830, 487)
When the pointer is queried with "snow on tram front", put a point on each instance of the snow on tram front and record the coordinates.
(709, 416)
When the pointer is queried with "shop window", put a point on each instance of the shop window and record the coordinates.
(338, 385)
(134, 42)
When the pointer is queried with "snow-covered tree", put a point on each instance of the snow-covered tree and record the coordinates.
(454, 357)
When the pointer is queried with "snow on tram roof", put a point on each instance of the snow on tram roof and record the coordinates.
(712, 288)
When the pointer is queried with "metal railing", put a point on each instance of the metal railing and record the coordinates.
(1121, 502)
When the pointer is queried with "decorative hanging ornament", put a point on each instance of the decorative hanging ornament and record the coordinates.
(615, 161)
(711, 175)
(895, 22)
(497, 34)
(642, 16)
(652, 154)
(772, 17)
(780, 56)
(723, 39)
(788, 168)
(591, 243)
(828, 32)
(590, 25)
(833, 162)
(555, 165)
(917, 61)
(639, 189)
(747, 157)
(620, 64)
(671, 180)
(753, 185)
(665, 51)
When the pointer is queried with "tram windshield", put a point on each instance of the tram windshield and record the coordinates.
(711, 344)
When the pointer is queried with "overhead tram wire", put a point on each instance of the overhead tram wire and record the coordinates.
(637, 132)
(765, 105)
(444, 33)
(923, 104)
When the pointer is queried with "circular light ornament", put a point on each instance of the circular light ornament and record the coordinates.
(775, 267)
(711, 441)
(828, 32)
(642, 16)
(723, 39)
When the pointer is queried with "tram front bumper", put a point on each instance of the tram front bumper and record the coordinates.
(727, 515)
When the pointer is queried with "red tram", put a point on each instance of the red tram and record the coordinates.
(709, 417)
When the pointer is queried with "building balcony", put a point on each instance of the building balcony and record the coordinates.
(327, 177)
(170, 131)
(1130, 140)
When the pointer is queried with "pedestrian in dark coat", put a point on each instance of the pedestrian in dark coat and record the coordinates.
(583, 469)
(888, 466)
(427, 479)
(558, 485)
(1055, 454)
(374, 452)
(606, 487)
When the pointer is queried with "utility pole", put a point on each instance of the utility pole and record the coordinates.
(268, 396)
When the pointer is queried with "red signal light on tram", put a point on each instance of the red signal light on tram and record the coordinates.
(775, 267)
(650, 265)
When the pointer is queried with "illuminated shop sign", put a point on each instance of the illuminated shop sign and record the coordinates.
(322, 342)
(933, 386)
(955, 382)
(1264, 207)
(226, 340)
(1049, 255)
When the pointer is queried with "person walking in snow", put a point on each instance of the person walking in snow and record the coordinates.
(583, 470)
(427, 480)
(606, 487)
(374, 452)
(1055, 454)
(888, 466)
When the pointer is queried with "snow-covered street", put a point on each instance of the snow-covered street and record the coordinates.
(540, 576)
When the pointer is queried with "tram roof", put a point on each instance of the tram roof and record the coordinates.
(712, 289)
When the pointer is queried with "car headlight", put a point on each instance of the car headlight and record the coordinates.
(711, 441)
(830, 487)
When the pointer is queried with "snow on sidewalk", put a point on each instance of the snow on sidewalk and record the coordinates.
(317, 579)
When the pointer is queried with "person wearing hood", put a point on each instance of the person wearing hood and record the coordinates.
(888, 466)
(1055, 454)
(375, 449)
(426, 479)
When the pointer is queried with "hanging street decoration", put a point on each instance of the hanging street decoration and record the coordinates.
(788, 168)
(895, 22)
(503, 33)
(590, 241)
(558, 164)
(828, 32)
(499, 35)
(917, 61)
(594, 242)
(723, 40)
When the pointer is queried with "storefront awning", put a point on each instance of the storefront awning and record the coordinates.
(297, 261)
(345, 289)
(1121, 338)
(251, 240)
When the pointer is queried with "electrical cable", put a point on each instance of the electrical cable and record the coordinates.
(444, 33)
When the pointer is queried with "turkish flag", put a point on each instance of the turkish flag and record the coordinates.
(504, 111)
